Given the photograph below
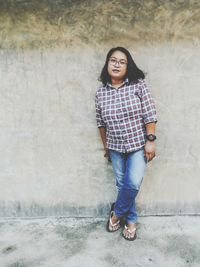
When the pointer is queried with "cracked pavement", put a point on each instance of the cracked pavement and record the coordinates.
(167, 241)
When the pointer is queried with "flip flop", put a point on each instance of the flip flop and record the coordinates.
(110, 224)
(122, 219)
(130, 231)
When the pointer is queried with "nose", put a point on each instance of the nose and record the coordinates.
(117, 64)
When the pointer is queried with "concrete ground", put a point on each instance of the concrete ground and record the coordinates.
(65, 242)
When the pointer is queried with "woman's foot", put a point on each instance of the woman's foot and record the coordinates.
(129, 232)
(113, 223)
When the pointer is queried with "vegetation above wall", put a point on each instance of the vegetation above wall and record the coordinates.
(52, 23)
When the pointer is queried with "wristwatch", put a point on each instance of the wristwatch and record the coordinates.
(151, 137)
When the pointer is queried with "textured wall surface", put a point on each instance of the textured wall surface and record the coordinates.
(51, 55)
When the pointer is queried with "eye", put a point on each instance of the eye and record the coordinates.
(112, 60)
(122, 62)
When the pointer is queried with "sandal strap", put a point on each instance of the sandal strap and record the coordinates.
(114, 224)
(130, 231)
(111, 223)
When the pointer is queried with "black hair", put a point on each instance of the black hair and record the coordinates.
(133, 72)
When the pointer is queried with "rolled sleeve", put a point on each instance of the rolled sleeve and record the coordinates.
(147, 103)
(100, 122)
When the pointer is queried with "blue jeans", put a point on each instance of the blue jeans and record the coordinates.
(128, 170)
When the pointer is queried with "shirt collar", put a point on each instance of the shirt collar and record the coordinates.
(126, 80)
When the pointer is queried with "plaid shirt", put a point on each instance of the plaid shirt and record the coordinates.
(124, 113)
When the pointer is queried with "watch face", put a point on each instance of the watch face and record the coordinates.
(151, 137)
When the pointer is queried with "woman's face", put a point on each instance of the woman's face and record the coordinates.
(117, 65)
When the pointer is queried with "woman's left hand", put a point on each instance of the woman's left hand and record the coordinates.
(150, 150)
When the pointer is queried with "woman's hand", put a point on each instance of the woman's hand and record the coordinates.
(106, 154)
(150, 150)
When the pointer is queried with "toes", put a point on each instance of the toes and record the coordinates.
(128, 235)
(113, 228)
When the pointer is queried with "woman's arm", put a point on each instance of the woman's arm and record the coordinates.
(102, 131)
(101, 126)
(150, 146)
(150, 128)
(149, 117)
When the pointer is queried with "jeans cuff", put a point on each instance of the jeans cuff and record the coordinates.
(131, 221)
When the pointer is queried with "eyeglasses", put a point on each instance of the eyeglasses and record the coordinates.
(114, 61)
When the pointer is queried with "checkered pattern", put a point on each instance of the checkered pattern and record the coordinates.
(124, 113)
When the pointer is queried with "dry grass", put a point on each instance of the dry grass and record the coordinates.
(33, 24)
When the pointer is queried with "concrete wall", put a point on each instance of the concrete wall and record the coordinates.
(51, 54)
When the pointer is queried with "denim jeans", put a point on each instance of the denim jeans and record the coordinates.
(128, 170)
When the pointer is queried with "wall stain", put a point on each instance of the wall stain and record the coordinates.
(9, 249)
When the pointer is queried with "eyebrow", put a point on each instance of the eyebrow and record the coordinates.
(118, 59)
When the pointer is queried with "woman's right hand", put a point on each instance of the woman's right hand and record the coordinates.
(106, 154)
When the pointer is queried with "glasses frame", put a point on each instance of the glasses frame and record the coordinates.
(122, 65)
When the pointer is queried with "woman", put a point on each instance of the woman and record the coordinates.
(126, 118)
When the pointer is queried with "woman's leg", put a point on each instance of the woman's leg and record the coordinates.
(119, 167)
(134, 172)
(125, 204)
(136, 164)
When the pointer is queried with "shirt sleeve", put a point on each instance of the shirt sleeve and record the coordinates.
(148, 105)
(100, 122)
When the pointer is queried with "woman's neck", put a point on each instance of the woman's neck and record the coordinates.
(117, 83)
